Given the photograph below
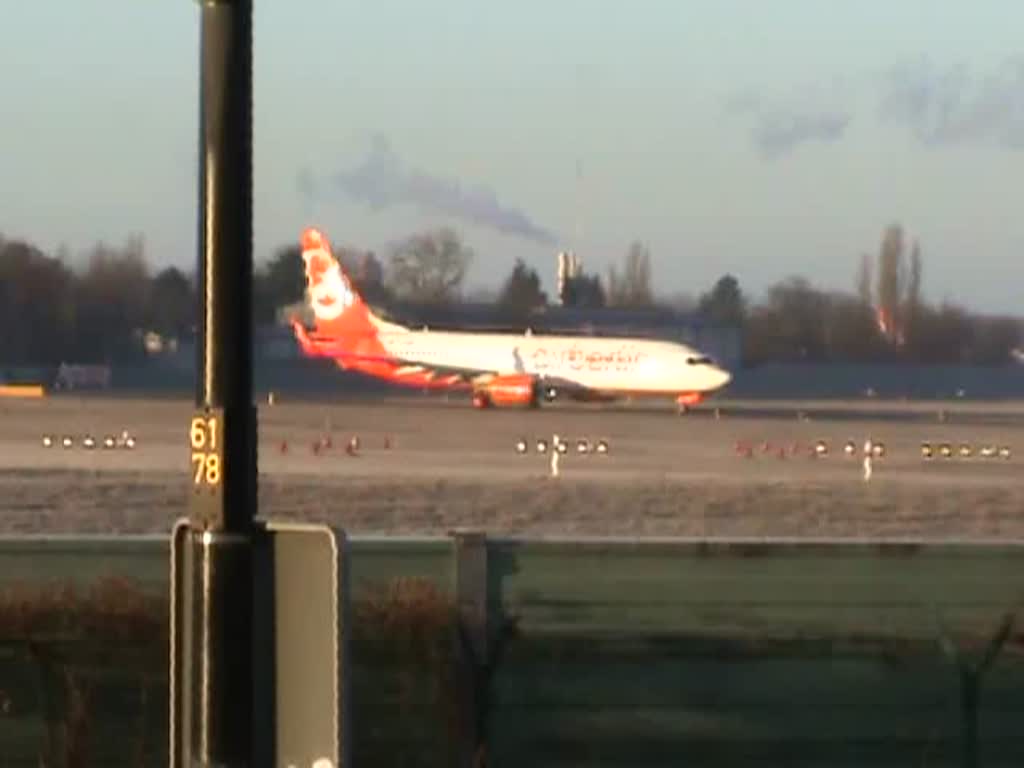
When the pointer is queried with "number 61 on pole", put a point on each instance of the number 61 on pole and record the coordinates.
(206, 438)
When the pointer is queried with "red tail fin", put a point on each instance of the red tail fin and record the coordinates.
(339, 310)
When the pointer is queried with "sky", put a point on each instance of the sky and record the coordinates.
(759, 139)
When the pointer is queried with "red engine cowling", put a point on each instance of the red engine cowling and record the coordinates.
(516, 389)
(689, 398)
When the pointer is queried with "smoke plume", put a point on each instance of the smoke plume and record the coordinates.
(779, 126)
(380, 180)
(952, 106)
(940, 107)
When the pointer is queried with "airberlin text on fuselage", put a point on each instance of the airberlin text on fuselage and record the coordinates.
(536, 356)
(574, 358)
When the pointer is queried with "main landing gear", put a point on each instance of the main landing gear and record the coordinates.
(685, 402)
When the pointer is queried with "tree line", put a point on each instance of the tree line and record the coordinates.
(103, 308)
(885, 319)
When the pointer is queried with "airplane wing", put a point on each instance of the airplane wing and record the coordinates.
(409, 367)
(321, 347)
(573, 389)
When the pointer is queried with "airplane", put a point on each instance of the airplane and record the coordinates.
(498, 369)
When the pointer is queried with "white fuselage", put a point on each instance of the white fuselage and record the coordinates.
(601, 364)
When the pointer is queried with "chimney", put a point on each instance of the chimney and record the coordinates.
(562, 266)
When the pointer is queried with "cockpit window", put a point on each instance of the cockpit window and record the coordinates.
(699, 361)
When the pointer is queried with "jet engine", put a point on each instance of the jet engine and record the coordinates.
(684, 400)
(515, 389)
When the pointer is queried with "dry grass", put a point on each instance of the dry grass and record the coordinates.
(408, 680)
(113, 611)
(66, 501)
(419, 691)
(421, 675)
(422, 695)
(78, 641)
(404, 640)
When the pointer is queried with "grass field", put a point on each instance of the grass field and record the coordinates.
(617, 653)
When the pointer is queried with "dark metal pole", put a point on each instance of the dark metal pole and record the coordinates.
(220, 729)
(225, 215)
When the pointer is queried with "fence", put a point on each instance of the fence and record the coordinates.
(588, 652)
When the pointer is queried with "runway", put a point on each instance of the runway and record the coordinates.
(426, 464)
(434, 438)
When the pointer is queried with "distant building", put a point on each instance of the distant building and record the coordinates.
(569, 267)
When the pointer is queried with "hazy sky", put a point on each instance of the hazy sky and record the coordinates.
(765, 139)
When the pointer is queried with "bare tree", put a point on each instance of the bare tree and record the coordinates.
(912, 301)
(366, 273)
(800, 309)
(633, 287)
(37, 305)
(521, 292)
(279, 282)
(113, 295)
(890, 269)
(584, 290)
(615, 294)
(172, 303)
(93, 313)
(725, 304)
(851, 332)
(864, 281)
(429, 267)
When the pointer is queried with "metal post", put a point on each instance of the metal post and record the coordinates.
(474, 656)
(218, 592)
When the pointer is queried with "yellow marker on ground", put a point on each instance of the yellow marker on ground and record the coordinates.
(22, 390)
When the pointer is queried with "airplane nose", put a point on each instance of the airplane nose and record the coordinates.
(721, 377)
